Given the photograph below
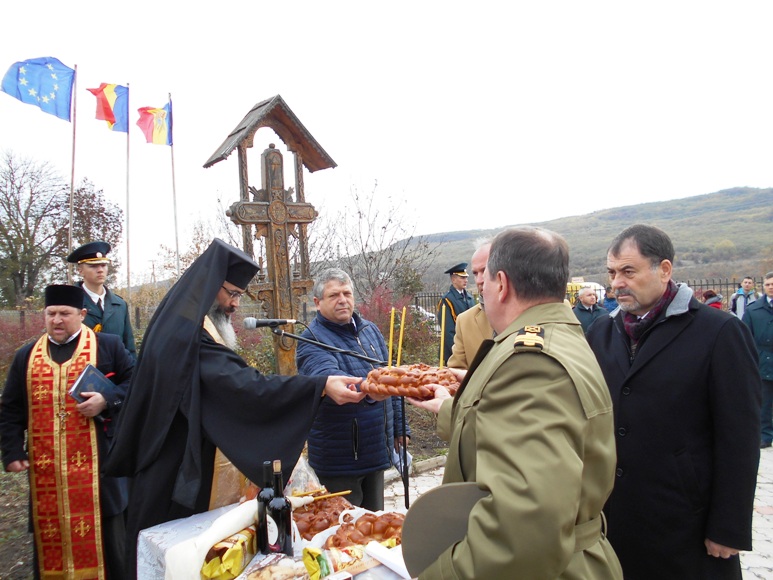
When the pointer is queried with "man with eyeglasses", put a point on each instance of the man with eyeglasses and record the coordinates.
(194, 397)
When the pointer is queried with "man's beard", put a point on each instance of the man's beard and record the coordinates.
(222, 321)
(627, 306)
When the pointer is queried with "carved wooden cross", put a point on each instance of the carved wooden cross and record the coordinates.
(277, 218)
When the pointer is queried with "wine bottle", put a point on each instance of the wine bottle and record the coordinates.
(265, 495)
(280, 511)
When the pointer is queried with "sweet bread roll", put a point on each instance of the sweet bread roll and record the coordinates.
(408, 381)
(319, 515)
(368, 527)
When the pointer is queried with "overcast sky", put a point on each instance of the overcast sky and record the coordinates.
(479, 115)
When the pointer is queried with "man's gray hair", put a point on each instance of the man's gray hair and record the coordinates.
(535, 260)
(585, 290)
(326, 276)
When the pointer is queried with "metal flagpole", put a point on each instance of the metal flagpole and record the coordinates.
(72, 166)
(174, 195)
(128, 269)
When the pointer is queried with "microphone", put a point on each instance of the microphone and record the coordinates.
(263, 322)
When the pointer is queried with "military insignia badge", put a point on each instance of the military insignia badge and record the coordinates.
(529, 339)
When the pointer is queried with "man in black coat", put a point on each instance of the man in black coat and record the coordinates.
(586, 310)
(67, 440)
(686, 395)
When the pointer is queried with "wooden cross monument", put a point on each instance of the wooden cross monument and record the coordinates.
(278, 218)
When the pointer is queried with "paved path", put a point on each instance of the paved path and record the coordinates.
(757, 564)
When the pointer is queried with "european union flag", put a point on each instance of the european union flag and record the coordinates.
(44, 82)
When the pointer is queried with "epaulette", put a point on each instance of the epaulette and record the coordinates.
(529, 339)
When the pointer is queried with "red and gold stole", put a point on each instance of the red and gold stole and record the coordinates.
(64, 466)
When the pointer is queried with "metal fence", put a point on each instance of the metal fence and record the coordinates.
(724, 286)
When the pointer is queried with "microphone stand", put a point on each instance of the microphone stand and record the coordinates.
(329, 347)
(404, 448)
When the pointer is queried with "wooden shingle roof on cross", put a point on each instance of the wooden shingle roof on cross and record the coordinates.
(275, 113)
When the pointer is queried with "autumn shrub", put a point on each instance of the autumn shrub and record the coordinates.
(419, 343)
(17, 329)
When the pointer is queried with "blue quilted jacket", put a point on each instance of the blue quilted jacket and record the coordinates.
(349, 440)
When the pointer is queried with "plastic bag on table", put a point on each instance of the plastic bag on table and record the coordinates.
(303, 478)
(397, 460)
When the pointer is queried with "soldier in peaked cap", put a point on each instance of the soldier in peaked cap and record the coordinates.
(455, 301)
(105, 311)
(77, 514)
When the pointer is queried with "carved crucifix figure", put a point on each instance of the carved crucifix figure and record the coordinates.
(277, 219)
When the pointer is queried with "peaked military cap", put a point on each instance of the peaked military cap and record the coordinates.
(459, 269)
(91, 253)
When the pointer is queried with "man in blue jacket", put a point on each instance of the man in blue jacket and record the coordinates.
(759, 318)
(350, 446)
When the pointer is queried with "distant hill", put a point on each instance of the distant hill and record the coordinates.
(724, 234)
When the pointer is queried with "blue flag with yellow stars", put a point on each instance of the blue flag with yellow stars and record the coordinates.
(44, 82)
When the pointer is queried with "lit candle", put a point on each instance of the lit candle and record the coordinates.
(391, 335)
(442, 333)
(400, 342)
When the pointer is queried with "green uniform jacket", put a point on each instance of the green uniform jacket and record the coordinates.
(532, 425)
(114, 320)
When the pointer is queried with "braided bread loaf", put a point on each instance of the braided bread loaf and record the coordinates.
(368, 527)
(408, 381)
(319, 515)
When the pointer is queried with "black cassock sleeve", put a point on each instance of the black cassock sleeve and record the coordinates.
(253, 417)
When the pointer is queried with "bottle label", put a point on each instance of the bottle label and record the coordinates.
(273, 534)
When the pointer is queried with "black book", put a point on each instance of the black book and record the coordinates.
(91, 380)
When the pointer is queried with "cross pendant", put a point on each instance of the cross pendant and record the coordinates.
(63, 416)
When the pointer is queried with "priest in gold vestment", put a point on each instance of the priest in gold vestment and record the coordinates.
(77, 516)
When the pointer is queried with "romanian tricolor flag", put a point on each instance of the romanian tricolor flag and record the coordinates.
(156, 124)
(113, 106)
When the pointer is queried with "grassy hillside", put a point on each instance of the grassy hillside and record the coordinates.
(725, 234)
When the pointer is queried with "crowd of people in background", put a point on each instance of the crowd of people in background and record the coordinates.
(618, 438)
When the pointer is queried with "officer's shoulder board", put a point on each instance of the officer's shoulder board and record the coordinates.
(529, 339)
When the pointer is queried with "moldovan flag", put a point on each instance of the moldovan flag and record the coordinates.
(44, 82)
(156, 124)
(113, 106)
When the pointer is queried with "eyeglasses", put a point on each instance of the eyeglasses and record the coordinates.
(234, 294)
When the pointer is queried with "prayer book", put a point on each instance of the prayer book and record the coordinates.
(91, 380)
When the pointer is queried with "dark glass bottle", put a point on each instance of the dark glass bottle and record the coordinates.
(280, 511)
(265, 496)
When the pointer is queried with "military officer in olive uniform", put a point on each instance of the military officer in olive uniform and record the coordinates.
(532, 425)
(105, 311)
(455, 301)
